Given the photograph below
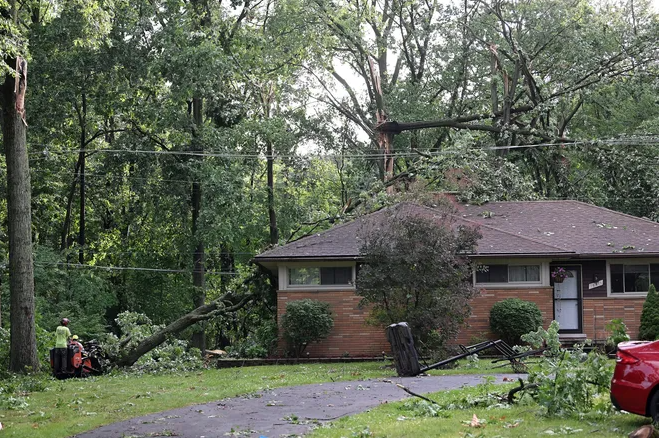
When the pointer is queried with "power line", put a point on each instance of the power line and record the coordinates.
(158, 181)
(613, 142)
(128, 268)
(99, 252)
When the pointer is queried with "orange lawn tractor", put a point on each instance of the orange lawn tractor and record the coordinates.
(82, 360)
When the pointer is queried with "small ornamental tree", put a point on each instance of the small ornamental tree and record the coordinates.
(304, 322)
(416, 271)
(513, 317)
(648, 329)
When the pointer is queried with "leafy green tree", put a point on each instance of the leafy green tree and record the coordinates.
(497, 78)
(23, 350)
(415, 271)
(306, 321)
(477, 176)
(648, 329)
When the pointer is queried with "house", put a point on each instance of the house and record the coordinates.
(611, 259)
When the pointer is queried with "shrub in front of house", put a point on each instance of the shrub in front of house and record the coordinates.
(618, 333)
(648, 329)
(304, 322)
(513, 317)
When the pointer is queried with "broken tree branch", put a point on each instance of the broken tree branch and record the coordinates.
(227, 303)
(417, 395)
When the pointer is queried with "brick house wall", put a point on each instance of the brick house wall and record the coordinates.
(350, 334)
(599, 311)
(478, 328)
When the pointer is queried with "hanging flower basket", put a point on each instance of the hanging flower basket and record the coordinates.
(559, 274)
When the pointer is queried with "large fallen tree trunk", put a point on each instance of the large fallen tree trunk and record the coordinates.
(228, 303)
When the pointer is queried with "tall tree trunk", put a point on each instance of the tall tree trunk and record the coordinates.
(198, 338)
(23, 344)
(385, 139)
(272, 217)
(81, 160)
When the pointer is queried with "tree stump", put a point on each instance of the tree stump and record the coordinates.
(403, 349)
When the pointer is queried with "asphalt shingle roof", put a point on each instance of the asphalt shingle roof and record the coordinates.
(569, 225)
(507, 228)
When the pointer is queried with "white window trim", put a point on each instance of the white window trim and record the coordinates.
(544, 266)
(283, 274)
(626, 262)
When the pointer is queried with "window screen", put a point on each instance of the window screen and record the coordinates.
(493, 274)
(343, 275)
(321, 276)
(303, 276)
(524, 273)
(509, 274)
(633, 278)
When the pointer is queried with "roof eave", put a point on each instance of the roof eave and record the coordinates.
(616, 255)
(304, 258)
(523, 255)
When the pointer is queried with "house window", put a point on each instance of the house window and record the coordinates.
(524, 273)
(510, 274)
(633, 278)
(321, 276)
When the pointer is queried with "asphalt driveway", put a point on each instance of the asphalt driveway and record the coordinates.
(280, 412)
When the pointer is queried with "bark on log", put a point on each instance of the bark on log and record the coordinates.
(403, 349)
(23, 344)
(223, 305)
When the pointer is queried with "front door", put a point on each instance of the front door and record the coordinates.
(568, 303)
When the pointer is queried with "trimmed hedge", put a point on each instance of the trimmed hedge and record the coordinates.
(513, 317)
(648, 329)
(306, 321)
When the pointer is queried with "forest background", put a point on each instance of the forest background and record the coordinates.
(170, 141)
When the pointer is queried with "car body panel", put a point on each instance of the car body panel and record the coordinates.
(634, 383)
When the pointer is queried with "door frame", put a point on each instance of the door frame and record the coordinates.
(568, 267)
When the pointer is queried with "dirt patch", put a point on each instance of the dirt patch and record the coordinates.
(290, 411)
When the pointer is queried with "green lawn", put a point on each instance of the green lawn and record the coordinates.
(72, 406)
(76, 405)
(417, 418)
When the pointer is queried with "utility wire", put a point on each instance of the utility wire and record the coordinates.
(613, 142)
(158, 181)
(127, 268)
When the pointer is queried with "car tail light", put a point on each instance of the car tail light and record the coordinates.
(625, 358)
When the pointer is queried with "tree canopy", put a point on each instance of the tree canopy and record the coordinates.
(171, 141)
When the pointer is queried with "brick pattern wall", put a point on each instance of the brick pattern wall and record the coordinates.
(349, 334)
(478, 324)
(599, 311)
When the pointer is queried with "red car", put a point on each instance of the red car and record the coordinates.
(635, 382)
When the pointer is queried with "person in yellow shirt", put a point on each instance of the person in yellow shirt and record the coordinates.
(62, 335)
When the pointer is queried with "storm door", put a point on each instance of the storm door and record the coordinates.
(568, 303)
